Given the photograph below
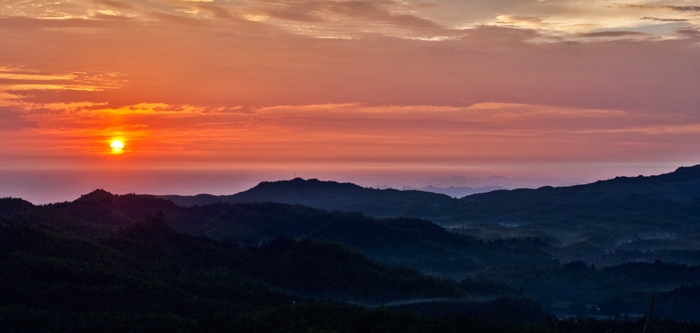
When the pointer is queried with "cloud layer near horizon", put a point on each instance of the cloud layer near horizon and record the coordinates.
(202, 84)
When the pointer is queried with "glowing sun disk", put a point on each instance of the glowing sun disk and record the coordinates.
(117, 146)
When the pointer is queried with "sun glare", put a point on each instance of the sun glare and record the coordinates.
(117, 146)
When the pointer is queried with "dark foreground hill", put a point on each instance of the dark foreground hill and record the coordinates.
(65, 259)
(414, 243)
(146, 277)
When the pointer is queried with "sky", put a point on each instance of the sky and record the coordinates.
(212, 96)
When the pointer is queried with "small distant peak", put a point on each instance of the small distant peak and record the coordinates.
(96, 195)
(305, 185)
(299, 180)
(97, 192)
(302, 180)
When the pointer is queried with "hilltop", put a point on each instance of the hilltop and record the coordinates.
(348, 197)
(606, 221)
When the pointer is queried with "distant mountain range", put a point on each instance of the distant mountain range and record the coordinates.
(624, 193)
(651, 213)
(642, 213)
(455, 191)
(336, 196)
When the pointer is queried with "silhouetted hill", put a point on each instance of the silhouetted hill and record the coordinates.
(455, 191)
(666, 195)
(667, 203)
(147, 273)
(680, 185)
(148, 277)
(408, 242)
(626, 218)
(345, 197)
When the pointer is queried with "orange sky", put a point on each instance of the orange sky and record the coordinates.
(579, 90)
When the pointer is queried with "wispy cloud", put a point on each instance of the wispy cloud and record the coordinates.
(116, 4)
(12, 119)
(664, 19)
(692, 32)
(669, 7)
(683, 8)
(610, 34)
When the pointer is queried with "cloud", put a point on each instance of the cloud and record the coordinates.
(11, 119)
(372, 11)
(295, 14)
(47, 92)
(664, 19)
(511, 19)
(436, 20)
(232, 64)
(24, 23)
(176, 19)
(193, 79)
(115, 4)
(217, 11)
(682, 8)
(689, 32)
(674, 8)
(610, 34)
(352, 16)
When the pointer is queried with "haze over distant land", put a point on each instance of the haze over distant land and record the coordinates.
(47, 186)
(458, 186)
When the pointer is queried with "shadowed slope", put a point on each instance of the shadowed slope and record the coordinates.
(346, 197)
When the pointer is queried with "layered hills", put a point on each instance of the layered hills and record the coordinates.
(334, 196)
(146, 277)
(621, 193)
(594, 249)
(410, 242)
(626, 215)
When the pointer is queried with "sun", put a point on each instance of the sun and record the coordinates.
(117, 146)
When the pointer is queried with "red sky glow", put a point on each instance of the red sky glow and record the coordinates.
(376, 92)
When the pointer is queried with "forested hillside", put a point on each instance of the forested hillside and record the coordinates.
(344, 197)
(639, 218)
(403, 241)
(147, 277)
(601, 249)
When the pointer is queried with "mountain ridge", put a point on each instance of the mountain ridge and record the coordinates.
(681, 185)
(331, 195)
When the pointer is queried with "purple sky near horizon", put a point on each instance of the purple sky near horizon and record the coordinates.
(224, 94)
